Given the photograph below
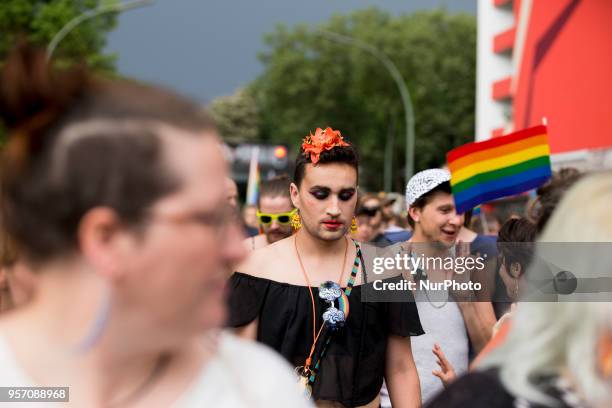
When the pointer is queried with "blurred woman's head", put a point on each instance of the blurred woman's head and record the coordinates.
(553, 338)
(120, 180)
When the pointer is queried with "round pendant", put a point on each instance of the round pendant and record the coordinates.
(330, 291)
(334, 317)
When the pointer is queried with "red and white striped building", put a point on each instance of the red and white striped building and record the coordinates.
(548, 59)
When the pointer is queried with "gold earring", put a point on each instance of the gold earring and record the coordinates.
(354, 225)
(296, 221)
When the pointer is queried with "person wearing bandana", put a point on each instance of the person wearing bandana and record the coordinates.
(302, 295)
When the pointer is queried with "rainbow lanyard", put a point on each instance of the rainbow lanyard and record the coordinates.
(344, 306)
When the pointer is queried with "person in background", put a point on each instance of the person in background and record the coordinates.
(249, 216)
(396, 223)
(274, 212)
(365, 232)
(448, 322)
(493, 290)
(396, 228)
(120, 209)
(485, 224)
(232, 192)
(284, 294)
(515, 249)
(558, 354)
(370, 221)
(550, 194)
(232, 201)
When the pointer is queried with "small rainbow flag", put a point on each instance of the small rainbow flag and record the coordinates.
(254, 178)
(499, 167)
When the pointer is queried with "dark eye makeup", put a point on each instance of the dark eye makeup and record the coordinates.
(347, 194)
(321, 193)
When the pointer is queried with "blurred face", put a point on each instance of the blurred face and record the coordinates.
(231, 192)
(326, 199)
(372, 206)
(388, 210)
(175, 271)
(275, 230)
(365, 232)
(437, 221)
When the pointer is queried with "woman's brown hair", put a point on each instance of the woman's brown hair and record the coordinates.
(77, 142)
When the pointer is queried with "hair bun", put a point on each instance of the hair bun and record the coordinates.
(28, 86)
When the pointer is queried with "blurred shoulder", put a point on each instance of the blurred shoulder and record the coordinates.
(275, 384)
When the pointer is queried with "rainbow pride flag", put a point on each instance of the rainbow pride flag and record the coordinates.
(254, 178)
(499, 167)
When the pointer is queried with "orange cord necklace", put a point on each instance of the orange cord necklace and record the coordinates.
(316, 335)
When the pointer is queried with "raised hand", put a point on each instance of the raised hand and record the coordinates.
(446, 373)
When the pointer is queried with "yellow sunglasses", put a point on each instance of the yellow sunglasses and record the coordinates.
(281, 218)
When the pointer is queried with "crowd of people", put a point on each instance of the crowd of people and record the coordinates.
(129, 275)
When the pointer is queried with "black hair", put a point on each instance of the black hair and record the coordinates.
(549, 195)
(515, 242)
(338, 154)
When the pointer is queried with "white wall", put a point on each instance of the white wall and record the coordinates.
(491, 67)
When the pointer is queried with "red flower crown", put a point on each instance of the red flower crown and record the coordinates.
(322, 140)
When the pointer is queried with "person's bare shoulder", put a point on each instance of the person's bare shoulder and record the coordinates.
(263, 262)
(254, 243)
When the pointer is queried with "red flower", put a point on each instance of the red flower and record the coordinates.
(322, 140)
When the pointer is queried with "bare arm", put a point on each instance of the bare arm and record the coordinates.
(479, 319)
(401, 374)
(476, 307)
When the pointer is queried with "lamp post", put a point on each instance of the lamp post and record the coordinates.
(399, 81)
(102, 9)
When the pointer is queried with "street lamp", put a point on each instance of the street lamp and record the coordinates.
(401, 85)
(102, 9)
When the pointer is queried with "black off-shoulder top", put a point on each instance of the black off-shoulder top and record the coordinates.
(353, 366)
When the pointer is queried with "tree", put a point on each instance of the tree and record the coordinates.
(39, 20)
(309, 81)
(237, 116)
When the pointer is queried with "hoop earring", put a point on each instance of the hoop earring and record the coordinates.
(296, 221)
(354, 225)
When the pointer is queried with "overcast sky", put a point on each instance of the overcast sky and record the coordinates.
(208, 48)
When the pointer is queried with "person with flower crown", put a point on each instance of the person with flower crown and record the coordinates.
(303, 295)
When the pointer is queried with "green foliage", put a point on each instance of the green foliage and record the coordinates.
(39, 20)
(237, 116)
(310, 81)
